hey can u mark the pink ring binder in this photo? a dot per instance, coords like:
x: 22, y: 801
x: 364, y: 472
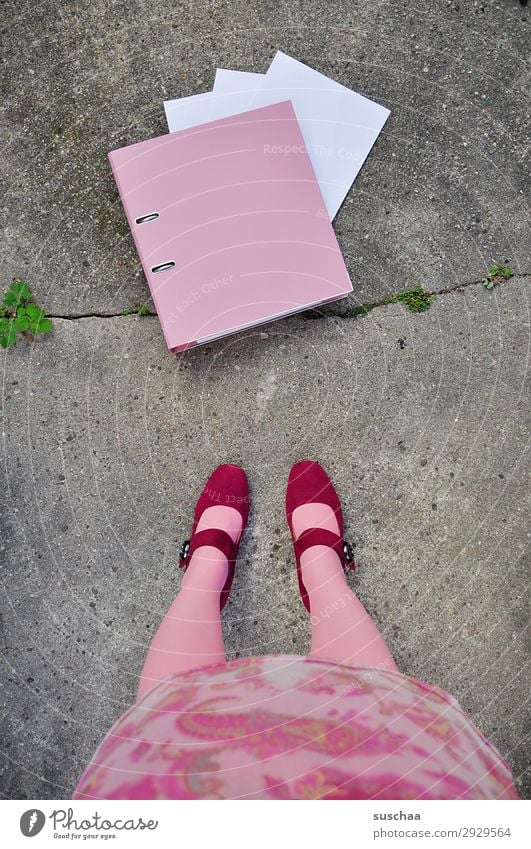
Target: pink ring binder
x: 241, y: 234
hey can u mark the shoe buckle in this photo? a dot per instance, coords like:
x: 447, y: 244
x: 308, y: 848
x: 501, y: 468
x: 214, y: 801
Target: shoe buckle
x: 185, y: 548
x: 348, y: 553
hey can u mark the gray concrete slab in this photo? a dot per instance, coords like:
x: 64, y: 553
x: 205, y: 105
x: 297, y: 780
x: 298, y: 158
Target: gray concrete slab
x: 439, y: 200
x: 107, y: 439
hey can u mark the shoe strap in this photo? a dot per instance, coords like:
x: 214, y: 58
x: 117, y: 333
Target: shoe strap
x: 319, y: 536
x: 214, y: 537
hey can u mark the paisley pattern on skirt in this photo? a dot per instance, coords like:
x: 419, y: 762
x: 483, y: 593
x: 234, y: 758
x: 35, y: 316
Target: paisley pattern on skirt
x: 289, y: 727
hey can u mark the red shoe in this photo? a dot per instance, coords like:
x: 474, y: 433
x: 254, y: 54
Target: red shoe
x: 227, y: 486
x: 308, y: 483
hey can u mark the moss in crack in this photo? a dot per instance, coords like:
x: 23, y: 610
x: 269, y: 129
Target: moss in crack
x: 363, y: 309
x: 143, y: 309
x: 416, y: 299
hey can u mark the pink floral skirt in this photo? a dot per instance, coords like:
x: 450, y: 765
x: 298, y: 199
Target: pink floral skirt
x: 289, y: 727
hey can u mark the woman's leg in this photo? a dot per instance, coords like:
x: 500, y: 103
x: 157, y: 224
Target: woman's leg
x: 342, y: 630
x: 190, y: 634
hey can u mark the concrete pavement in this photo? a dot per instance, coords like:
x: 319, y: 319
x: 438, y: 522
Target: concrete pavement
x: 420, y: 419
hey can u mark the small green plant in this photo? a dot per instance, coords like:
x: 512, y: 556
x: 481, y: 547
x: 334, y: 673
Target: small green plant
x: 19, y: 314
x: 143, y: 309
x: 495, y: 274
x: 415, y: 299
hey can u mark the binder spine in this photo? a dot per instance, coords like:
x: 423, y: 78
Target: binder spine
x: 135, y: 225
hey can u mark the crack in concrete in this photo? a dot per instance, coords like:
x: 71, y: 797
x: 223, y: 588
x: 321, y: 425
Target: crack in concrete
x: 370, y: 306
x: 316, y: 315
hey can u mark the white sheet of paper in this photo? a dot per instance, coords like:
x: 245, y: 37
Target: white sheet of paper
x: 339, y: 126
x: 186, y: 112
x: 229, y: 80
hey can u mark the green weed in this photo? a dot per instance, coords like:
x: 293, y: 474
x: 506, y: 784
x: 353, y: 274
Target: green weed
x: 416, y: 299
x: 19, y: 314
x: 143, y: 309
x: 495, y: 274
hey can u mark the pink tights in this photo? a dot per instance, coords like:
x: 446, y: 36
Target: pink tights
x: 190, y: 634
